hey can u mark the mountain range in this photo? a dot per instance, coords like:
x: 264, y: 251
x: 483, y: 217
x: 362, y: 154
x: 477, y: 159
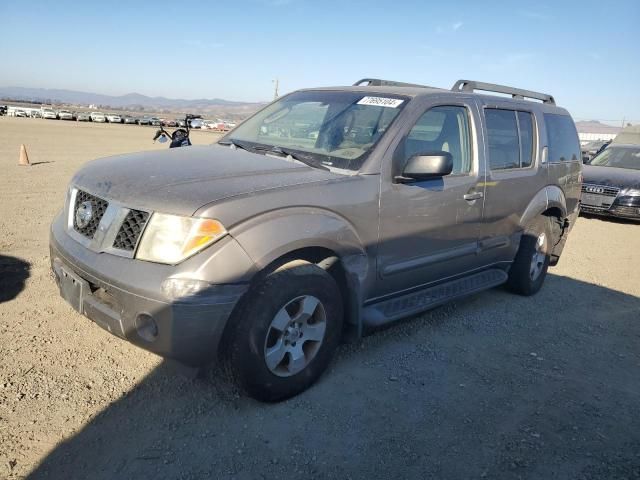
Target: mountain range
x: 130, y: 100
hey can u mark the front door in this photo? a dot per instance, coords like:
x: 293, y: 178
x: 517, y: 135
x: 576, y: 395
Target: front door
x: 429, y: 230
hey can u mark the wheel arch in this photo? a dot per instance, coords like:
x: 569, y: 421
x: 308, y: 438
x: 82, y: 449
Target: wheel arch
x: 315, y: 235
x: 549, y: 201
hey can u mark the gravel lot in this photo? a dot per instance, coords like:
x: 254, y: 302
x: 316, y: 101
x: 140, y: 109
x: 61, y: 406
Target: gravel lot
x: 495, y: 386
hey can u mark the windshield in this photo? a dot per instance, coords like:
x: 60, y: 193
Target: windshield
x: 620, y: 157
x: 337, y: 129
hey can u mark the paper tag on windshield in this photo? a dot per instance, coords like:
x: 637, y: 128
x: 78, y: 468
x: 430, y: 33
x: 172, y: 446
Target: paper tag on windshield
x: 381, y: 102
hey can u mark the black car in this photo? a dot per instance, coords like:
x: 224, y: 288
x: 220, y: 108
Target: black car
x: 612, y: 182
x: 591, y: 149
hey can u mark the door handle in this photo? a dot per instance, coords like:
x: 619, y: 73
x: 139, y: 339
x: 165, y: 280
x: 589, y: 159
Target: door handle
x: 473, y: 196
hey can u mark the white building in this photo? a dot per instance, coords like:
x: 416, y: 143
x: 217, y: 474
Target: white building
x: 594, y: 130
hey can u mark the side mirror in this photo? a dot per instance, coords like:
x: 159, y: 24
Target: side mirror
x: 426, y: 166
x: 163, y: 138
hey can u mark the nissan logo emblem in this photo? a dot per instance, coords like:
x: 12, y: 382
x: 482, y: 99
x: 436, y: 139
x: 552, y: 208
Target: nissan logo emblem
x: 84, y: 214
x: 595, y: 189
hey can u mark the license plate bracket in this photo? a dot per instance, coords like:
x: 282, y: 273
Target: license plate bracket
x: 593, y: 200
x: 72, y: 288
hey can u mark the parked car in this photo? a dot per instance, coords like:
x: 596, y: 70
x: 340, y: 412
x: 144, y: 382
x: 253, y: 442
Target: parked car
x: 612, y: 182
x: 49, y: 113
x: 264, y: 249
x: 113, y: 118
x: 65, y: 115
x: 144, y: 120
x: 169, y: 123
x: 591, y: 149
x: 212, y: 125
x: 3, y: 110
x: 20, y: 113
x: 196, y: 123
x: 35, y: 114
x: 155, y: 122
x: 83, y: 117
x: 181, y: 123
x: 128, y: 119
x: 98, y: 117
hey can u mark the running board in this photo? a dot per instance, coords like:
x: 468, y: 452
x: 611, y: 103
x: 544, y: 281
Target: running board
x: 387, y: 311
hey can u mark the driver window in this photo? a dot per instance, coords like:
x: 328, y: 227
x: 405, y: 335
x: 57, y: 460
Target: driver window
x: 443, y: 128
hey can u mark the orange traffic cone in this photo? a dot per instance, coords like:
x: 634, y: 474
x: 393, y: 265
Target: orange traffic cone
x: 24, y: 158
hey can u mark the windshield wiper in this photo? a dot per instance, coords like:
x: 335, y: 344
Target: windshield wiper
x: 306, y: 159
x: 235, y: 144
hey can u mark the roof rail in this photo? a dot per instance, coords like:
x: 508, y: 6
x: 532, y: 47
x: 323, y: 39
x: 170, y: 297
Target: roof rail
x: 378, y: 82
x: 517, y: 93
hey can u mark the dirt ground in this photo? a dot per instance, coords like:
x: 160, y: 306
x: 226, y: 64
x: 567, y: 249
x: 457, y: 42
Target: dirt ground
x: 494, y: 386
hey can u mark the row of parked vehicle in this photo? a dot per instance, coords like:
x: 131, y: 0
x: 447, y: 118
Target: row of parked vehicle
x: 100, y: 117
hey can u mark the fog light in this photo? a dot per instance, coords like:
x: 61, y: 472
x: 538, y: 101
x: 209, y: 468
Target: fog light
x: 147, y: 327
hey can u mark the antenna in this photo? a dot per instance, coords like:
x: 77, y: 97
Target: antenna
x: 275, y: 90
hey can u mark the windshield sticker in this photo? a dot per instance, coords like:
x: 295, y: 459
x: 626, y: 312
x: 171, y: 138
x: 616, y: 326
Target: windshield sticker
x: 381, y: 102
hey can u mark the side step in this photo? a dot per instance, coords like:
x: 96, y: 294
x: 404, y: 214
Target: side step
x: 387, y: 311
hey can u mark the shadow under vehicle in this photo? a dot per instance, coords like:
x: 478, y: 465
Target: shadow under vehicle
x: 465, y: 382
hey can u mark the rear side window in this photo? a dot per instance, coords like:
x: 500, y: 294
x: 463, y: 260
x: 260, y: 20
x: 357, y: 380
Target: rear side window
x: 511, y: 138
x: 564, y: 145
x: 504, y: 143
x: 525, y: 128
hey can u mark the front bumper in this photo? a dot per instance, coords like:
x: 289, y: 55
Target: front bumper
x: 618, y: 211
x: 124, y: 297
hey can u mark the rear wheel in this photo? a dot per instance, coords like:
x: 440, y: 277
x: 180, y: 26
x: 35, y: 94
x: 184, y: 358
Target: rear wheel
x: 287, y: 330
x: 529, y: 268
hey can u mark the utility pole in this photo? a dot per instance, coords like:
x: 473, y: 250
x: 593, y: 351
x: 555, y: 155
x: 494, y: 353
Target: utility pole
x: 275, y: 92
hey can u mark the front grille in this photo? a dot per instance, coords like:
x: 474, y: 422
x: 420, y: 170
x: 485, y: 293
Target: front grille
x: 98, y: 207
x: 129, y: 233
x: 600, y: 190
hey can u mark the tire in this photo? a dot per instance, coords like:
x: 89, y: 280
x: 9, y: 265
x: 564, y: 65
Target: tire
x: 254, y: 337
x: 527, y: 272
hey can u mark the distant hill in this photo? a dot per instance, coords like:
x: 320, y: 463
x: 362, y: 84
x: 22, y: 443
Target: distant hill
x: 130, y: 100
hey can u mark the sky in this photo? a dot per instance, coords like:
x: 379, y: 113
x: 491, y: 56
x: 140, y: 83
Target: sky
x: 585, y: 53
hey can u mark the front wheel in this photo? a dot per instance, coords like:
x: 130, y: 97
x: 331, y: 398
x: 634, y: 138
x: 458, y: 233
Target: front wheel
x: 529, y: 268
x: 286, y: 331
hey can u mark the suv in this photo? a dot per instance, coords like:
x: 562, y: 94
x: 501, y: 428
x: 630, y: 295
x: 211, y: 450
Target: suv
x: 327, y: 213
x: 97, y: 117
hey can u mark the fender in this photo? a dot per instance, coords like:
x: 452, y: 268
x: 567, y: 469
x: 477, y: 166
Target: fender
x: 271, y: 235
x: 550, y: 196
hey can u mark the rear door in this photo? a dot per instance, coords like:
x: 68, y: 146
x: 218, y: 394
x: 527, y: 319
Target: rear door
x: 429, y: 229
x: 514, y: 175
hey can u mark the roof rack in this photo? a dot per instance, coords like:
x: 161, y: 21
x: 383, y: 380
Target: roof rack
x: 378, y: 82
x: 517, y: 93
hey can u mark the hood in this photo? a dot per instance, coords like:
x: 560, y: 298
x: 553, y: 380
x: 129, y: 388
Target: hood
x: 611, y: 176
x: 180, y: 180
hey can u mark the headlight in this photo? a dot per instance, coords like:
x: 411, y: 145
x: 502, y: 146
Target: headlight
x: 631, y: 192
x: 170, y: 238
